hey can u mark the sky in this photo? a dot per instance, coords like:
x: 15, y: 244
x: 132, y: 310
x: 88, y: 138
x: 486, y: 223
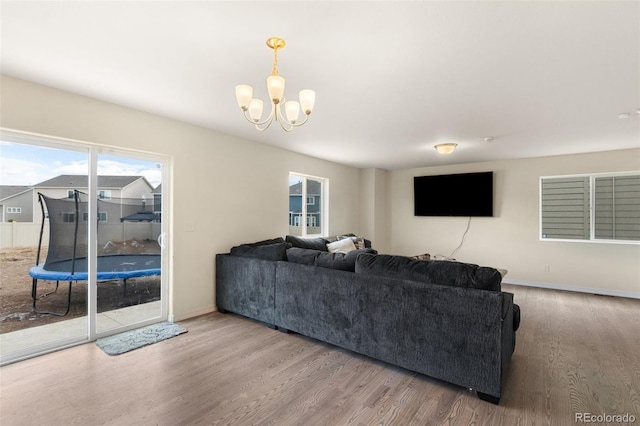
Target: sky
x: 22, y: 164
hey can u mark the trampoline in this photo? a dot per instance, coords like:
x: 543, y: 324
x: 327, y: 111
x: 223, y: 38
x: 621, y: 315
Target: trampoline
x: 67, y: 253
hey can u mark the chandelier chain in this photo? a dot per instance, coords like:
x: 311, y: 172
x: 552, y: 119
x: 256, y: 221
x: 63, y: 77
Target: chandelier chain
x: 275, y: 62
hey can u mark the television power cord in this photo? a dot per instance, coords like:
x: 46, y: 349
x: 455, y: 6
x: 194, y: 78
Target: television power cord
x: 463, y: 237
x: 453, y: 253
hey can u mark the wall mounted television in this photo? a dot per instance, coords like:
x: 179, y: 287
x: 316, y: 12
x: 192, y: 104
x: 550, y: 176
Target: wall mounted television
x: 466, y: 194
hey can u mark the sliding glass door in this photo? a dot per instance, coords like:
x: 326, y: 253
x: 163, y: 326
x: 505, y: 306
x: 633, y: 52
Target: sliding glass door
x: 129, y: 241
x: 83, y: 242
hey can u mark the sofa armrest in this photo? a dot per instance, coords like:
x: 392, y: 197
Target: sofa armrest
x: 246, y: 286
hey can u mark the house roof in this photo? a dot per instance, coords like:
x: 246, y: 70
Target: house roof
x: 7, y: 191
x: 313, y: 188
x: 81, y: 181
x: 157, y: 189
x: 142, y: 216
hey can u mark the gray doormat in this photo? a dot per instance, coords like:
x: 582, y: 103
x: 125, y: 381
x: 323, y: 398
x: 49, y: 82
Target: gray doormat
x: 134, y: 339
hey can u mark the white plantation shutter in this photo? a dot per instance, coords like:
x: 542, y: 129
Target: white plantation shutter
x: 565, y: 208
x: 617, y: 207
x: 603, y: 207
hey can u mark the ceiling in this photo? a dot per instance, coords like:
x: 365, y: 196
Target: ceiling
x: 392, y: 78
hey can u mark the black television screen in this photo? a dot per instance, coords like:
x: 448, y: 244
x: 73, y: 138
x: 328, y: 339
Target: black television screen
x: 467, y: 194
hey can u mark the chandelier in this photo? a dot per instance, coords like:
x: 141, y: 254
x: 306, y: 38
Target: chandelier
x: 252, y: 107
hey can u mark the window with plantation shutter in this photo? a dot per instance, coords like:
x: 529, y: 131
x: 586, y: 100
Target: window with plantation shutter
x: 617, y: 208
x: 565, y: 208
x: 598, y: 208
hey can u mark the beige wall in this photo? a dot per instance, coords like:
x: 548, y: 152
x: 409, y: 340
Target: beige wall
x: 212, y: 175
x: 374, y: 208
x: 510, y: 239
x: 231, y: 190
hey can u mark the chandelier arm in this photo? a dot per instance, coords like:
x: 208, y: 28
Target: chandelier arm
x: 267, y: 122
x: 306, y: 117
x: 260, y: 123
x: 284, y: 123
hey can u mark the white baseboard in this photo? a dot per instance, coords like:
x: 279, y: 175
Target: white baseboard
x: 604, y: 292
x: 196, y: 313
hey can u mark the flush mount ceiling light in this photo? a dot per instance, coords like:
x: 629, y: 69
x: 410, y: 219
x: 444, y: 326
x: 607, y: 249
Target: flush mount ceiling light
x: 252, y: 108
x: 445, y: 148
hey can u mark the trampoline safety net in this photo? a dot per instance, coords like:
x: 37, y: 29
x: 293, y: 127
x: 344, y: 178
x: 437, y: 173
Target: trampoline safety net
x: 125, y: 227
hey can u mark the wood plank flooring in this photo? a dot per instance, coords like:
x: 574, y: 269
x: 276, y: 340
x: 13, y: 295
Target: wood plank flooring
x: 575, y: 353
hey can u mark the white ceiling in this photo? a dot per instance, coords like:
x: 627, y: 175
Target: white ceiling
x: 392, y: 78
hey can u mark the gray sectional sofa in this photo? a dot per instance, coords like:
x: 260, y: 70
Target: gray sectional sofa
x: 447, y: 320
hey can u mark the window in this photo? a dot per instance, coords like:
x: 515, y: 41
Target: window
x: 69, y: 217
x: 308, y: 212
x: 70, y: 193
x: 104, y: 194
x: 598, y: 207
x: 14, y: 209
x: 102, y: 216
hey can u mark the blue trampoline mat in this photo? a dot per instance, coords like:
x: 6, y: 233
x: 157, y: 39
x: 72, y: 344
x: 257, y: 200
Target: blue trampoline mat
x: 112, y: 267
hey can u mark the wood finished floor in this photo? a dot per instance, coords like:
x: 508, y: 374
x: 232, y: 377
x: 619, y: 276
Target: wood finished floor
x: 575, y: 353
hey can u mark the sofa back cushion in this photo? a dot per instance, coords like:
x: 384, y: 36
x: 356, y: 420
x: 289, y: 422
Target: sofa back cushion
x: 308, y: 243
x: 454, y: 274
x: 321, y: 259
x: 277, y: 251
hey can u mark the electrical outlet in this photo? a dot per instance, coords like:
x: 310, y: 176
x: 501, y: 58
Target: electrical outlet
x: 546, y: 268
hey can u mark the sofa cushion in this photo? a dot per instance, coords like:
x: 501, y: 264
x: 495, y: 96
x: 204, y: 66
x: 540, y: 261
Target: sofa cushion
x: 322, y: 259
x: 342, y: 261
x: 454, y: 274
x: 277, y: 251
x: 307, y: 243
x: 342, y: 246
x: 303, y: 256
x: 266, y: 242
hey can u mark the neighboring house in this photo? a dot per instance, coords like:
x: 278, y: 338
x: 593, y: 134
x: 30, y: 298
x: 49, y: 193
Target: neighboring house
x: 16, y: 203
x: 157, y: 199
x: 314, y: 208
x: 123, y: 195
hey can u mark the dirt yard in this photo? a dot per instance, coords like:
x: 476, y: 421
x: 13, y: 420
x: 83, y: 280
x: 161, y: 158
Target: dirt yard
x: 16, y: 312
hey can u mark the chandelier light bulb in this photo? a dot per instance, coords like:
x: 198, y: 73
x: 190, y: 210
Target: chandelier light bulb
x: 275, y: 86
x: 244, y: 93
x: 255, y: 109
x: 292, y: 109
x: 307, y: 100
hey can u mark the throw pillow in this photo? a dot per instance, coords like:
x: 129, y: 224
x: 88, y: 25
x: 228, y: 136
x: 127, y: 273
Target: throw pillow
x: 425, y: 256
x: 307, y: 243
x: 357, y: 241
x: 276, y: 251
x: 341, y: 246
